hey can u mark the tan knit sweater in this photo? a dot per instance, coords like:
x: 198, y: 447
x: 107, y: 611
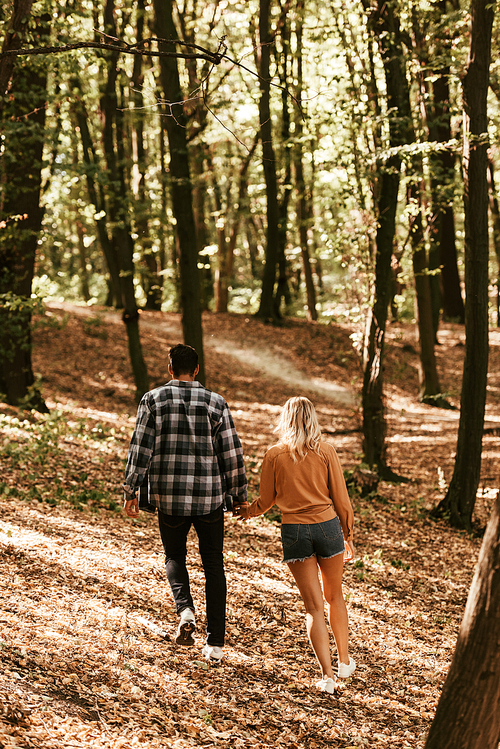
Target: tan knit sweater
x: 312, y: 490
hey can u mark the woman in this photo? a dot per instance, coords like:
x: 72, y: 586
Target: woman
x: 303, y: 476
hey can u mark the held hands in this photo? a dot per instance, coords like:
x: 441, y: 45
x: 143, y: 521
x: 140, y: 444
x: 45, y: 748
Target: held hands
x: 131, y: 507
x: 241, y: 511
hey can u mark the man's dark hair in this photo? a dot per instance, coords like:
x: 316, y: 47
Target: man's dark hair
x: 183, y: 359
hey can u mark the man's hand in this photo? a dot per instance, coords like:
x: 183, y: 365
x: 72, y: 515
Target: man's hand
x: 131, y: 507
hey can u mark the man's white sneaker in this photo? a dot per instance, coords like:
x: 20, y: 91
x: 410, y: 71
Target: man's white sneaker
x: 187, y: 626
x: 346, y: 669
x: 212, y: 653
x: 326, y: 684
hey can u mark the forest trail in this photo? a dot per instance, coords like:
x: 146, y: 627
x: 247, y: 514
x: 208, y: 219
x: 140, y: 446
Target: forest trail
x: 88, y: 624
x: 262, y: 359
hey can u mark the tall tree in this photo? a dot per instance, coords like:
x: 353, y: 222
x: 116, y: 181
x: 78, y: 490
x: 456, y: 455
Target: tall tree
x: 180, y: 183
x: 302, y: 199
x: 80, y: 119
x: 117, y: 202
x: 23, y: 126
x: 266, y: 37
x: 21, y: 13
x: 384, y: 26
x: 495, y: 216
x: 467, y: 715
x: 442, y: 221
x: 150, y: 266
x: 227, y: 230
x: 460, y: 499
x: 282, y: 63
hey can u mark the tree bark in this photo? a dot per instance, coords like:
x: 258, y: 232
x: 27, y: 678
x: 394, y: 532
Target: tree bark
x: 197, y: 119
x: 467, y: 715
x: 180, y: 183
x: 266, y: 306
x: 430, y: 389
x: 495, y: 215
x: 118, y: 211
x: 198, y: 153
x: 152, y: 282
x: 13, y: 39
x: 460, y: 499
x: 442, y: 220
x: 228, y: 235
x: 80, y: 231
x: 300, y: 184
x: 20, y: 221
x: 383, y: 25
x: 282, y: 288
x: 95, y: 192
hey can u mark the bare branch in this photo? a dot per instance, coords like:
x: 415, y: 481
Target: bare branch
x: 143, y: 48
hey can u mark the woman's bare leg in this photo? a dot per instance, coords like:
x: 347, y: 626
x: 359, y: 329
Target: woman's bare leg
x: 331, y: 572
x: 307, y: 579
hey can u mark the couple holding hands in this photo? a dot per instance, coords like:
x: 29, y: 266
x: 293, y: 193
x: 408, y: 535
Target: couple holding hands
x: 185, y: 456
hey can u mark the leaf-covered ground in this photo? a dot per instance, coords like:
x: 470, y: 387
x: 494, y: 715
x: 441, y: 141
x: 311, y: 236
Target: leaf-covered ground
x: 87, y: 620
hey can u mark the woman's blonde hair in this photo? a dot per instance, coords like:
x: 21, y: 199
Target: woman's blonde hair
x: 298, y: 427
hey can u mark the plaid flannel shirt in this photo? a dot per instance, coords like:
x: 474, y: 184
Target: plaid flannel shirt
x: 186, y: 448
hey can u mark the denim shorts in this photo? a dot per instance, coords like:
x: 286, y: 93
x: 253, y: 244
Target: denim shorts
x: 323, y: 540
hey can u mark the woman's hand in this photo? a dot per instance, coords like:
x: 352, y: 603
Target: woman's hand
x: 349, y: 551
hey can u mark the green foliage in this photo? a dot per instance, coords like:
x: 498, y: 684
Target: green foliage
x: 39, y: 446
x: 15, y: 316
x: 344, y: 134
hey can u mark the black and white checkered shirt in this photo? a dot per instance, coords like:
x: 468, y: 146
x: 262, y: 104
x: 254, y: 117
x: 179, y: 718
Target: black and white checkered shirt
x: 186, y: 448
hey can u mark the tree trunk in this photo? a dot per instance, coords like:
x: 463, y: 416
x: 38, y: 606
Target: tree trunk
x: 150, y: 272
x: 374, y: 424
x: 435, y: 101
x: 282, y: 289
x: 20, y: 219
x: 13, y: 39
x: 224, y: 268
x: 96, y: 196
x: 430, y: 389
x: 266, y: 306
x: 197, y: 118
x: 200, y: 220
x: 442, y: 181
x: 181, y: 189
x: 227, y: 244
x: 495, y: 215
x: 460, y: 499
x: 300, y: 185
x: 442, y: 220
x: 118, y: 211
x: 385, y: 28
x: 468, y: 715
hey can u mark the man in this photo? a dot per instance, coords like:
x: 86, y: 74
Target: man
x: 186, y: 450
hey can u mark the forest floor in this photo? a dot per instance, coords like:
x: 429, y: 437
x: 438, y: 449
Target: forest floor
x: 87, y: 620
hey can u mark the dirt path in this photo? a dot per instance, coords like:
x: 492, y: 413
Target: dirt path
x: 261, y: 359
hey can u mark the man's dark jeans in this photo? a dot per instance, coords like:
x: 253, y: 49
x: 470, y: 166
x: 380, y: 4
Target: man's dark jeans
x: 210, y: 529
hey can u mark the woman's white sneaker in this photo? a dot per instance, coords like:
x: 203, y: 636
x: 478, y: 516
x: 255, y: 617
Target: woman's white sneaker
x: 346, y: 669
x: 326, y: 684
